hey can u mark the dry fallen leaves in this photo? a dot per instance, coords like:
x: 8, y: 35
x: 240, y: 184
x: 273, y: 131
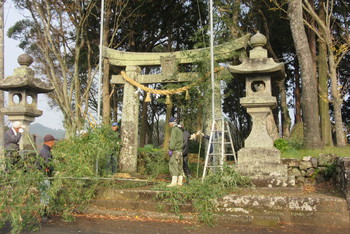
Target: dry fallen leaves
x: 308, y: 188
x: 134, y: 218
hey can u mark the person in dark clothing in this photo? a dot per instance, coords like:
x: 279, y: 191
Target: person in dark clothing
x: 46, y: 156
x: 186, y: 137
x: 11, y: 143
x: 205, y: 136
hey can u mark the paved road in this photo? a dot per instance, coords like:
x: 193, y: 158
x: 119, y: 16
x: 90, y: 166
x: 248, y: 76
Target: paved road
x: 99, y: 225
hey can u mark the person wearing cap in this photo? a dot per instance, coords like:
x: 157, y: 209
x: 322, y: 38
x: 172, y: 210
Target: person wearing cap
x: 45, y: 153
x: 46, y: 156
x: 115, y: 126
x: 175, y: 153
x: 11, y: 142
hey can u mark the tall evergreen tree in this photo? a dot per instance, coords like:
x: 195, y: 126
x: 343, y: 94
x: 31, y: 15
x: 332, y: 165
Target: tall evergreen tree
x: 312, y: 138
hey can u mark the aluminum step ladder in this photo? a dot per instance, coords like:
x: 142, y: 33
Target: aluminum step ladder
x: 220, y: 147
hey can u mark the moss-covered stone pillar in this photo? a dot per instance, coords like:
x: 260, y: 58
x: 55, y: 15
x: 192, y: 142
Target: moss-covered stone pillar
x: 129, y: 126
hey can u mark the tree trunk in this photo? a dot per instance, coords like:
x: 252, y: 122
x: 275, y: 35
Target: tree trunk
x: 286, y: 122
x: 143, y: 128
x: 169, y: 109
x: 312, y: 138
x: 297, y: 94
x: 115, y: 104
x: 327, y: 31
x: 326, y: 132
x: 157, y: 132
x: 106, y: 100
x: 150, y: 138
x: 336, y: 100
x: 106, y: 111
x: 70, y: 127
x: 312, y: 42
x: 235, y: 19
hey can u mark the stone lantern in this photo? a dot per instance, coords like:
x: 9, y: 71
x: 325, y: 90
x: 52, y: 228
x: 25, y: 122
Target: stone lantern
x: 23, y: 89
x: 259, y: 159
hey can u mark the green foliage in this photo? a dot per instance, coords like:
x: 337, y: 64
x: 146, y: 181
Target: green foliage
x: 300, y: 153
x: 296, y: 144
x: 152, y: 161
x: 203, y: 194
x: 330, y: 170
x: 87, y: 155
x: 77, y: 156
x: 288, y: 145
x: 282, y: 144
x: 19, y: 196
x: 21, y: 187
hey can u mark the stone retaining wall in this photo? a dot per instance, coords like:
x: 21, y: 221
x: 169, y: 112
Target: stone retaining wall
x: 342, y: 176
x: 311, y: 170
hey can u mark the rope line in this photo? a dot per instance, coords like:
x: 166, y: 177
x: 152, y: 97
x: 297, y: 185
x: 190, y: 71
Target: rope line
x: 163, y: 92
x: 156, y: 91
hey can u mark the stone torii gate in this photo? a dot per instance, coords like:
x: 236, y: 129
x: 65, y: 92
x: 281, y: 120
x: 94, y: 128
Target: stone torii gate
x: 132, y: 63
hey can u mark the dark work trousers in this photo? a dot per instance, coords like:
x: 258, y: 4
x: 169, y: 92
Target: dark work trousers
x: 185, y: 166
x: 113, y: 163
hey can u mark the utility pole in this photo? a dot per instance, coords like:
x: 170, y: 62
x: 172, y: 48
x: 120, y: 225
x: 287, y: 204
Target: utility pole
x: 2, y: 73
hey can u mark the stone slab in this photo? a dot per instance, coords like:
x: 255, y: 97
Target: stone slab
x: 263, y: 169
x: 153, y: 206
x: 258, y: 155
x: 260, y: 206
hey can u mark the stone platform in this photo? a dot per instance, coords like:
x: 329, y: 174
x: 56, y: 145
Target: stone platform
x: 260, y: 206
x: 264, y: 167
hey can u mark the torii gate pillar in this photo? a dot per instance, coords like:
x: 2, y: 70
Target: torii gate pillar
x: 130, y: 117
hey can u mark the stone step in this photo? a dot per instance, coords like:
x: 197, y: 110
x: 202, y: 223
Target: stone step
x: 95, y: 210
x: 261, y: 206
x: 153, y: 206
x: 126, y: 194
x: 237, y: 203
x: 277, y: 191
x: 265, y: 159
x: 276, y: 169
x: 272, y: 181
x: 324, y: 219
x: 259, y: 155
x: 311, y: 209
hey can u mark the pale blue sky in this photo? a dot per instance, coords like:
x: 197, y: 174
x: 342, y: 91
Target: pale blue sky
x: 51, y: 118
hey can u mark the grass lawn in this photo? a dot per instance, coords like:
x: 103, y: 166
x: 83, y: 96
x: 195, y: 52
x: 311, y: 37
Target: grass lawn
x: 299, y: 154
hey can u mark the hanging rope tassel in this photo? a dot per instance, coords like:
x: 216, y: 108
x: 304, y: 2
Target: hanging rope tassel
x: 148, y: 97
x: 167, y: 100
x: 187, y: 97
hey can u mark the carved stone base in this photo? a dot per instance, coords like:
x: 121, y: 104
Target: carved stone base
x: 264, y: 167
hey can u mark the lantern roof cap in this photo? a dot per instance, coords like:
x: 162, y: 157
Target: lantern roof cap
x: 258, y: 61
x: 23, y: 78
